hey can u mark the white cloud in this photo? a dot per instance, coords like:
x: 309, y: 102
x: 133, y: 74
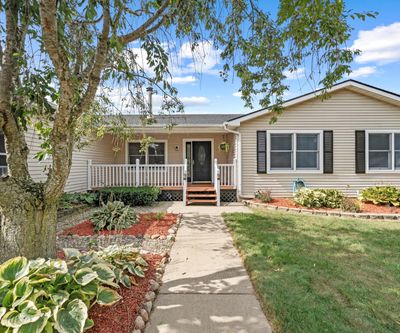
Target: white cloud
x: 183, y: 79
x: 237, y: 94
x: 194, y: 101
x: 381, y: 44
x: 363, y: 71
x: 296, y: 74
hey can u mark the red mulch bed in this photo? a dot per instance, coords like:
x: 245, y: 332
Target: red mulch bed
x: 147, y: 224
x: 119, y: 318
x: 365, y: 207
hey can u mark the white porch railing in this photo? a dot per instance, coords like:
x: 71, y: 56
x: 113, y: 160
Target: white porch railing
x: 113, y: 175
x: 3, y: 170
x: 228, y: 174
x: 217, y: 181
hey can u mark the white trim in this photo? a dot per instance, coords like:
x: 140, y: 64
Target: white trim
x: 294, y: 137
x: 350, y: 83
x: 238, y: 138
x: 393, y: 151
x: 184, y: 141
x: 147, y: 153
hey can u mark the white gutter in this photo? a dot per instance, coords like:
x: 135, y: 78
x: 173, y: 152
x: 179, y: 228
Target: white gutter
x: 239, y: 157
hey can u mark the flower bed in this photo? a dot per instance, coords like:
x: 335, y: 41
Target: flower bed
x: 120, y: 316
x: 365, y: 207
x: 148, y: 224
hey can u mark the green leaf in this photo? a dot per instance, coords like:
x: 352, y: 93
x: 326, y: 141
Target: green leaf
x: 14, y: 269
x: 59, y: 297
x: 107, y: 296
x: 71, y: 253
x: 8, y: 299
x: 22, y: 290
x: 2, y: 311
x: 28, y: 313
x: 90, y: 289
x: 84, y: 276
x: 72, y: 319
x: 88, y: 324
x: 104, y: 273
x: 37, y: 326
x: 140, y: 261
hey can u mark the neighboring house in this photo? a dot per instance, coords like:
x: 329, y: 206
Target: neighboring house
x: 348, y: 141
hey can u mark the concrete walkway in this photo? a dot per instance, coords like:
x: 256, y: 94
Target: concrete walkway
x: 206, y: 288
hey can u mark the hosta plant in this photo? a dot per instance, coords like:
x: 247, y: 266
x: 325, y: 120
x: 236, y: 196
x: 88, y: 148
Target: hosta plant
x: 381, y: 195
x: 113, y: 216
x: 55, y: 295
x: 317, y: 198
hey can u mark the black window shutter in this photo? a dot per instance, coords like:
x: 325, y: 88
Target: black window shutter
x: 360, y: 151
x: 261, y: 152
x: 328, y: 151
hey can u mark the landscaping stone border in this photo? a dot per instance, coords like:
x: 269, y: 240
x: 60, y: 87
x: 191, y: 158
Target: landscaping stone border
x: 150, y: 297
x: 367, y: 216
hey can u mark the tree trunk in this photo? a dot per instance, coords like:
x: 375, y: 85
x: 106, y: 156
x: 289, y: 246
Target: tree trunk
x: 28, y: 228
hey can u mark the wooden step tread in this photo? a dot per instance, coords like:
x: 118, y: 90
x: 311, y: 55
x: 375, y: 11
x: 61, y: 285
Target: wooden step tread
x: 201, y: 189
x: 211, y: 201
x: 201, y: 195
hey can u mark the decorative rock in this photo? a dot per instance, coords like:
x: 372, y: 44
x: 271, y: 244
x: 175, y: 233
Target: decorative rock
x: 158, y: 277
x: 143, y: 313
x: 164, y: 254
x: 171, y: 231
x: 136, y: 331
x: 171, y: 237
x: 155, y: 236
x: 154, y: 285
x: 148, y: 306
x: 162, y: 237
x: 164, y: 260
x: 144, y: 252
x: 139, y: 323
x: 150, y: 296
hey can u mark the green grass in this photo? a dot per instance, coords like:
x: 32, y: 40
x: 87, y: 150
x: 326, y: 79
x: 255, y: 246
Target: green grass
x: 319, y: 274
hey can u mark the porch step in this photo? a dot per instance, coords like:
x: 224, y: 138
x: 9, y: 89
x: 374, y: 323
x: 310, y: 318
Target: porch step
x: 202, y: 195
x: 202, y: 201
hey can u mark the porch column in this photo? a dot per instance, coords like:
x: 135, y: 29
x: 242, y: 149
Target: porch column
x: 217, y: 182
x: 137, y: 175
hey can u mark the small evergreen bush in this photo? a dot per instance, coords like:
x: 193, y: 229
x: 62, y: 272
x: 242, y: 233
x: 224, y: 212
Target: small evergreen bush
x: 132, y: 196
x: 351, y: 205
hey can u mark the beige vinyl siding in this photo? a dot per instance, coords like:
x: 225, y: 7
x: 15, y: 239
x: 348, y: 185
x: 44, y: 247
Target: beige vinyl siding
x: 99, y: 152
x: 345, y: 112
x: 177, y: 139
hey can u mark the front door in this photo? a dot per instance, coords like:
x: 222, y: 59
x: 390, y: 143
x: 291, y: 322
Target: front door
x: 201, y: 165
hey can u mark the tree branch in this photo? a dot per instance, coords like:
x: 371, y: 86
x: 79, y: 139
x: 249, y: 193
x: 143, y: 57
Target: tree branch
x: 142, y: 30
x: 17, y: 150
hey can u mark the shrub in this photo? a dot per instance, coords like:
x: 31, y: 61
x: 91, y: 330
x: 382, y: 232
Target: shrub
x: 68, y: 200
x: 381, y: 195
x: 263, y: 196
x: 55, y: 295
x: 113, y: 216
x: 317, y: 198
x: 133, y: 196
x: 351, y: 205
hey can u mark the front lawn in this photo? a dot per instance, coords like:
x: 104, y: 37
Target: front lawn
x: 322, y: 274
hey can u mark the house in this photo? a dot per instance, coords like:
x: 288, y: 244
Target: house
x: 349, y: 141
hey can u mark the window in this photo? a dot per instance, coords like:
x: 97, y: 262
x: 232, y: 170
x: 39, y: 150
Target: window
x: 383, y: 151
x: 155, y: 153
x: 3, y: 158
x: 295, y: 151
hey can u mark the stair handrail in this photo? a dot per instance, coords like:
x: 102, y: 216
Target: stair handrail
x: 185, y: 173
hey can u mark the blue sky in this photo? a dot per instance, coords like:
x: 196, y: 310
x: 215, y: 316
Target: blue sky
x: 379, y: 64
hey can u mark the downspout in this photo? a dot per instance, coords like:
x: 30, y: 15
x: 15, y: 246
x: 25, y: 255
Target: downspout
x: 239, y: 157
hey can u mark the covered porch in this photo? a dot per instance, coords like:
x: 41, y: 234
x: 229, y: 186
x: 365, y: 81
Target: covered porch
x: 194, y: 168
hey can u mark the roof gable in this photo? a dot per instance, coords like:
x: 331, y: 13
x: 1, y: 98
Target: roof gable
x: 352, y: 85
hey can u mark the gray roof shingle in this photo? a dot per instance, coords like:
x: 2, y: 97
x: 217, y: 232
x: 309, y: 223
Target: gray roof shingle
x: 183, y: 119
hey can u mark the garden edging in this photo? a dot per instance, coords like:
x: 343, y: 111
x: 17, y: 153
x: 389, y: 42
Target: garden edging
x: 371, y: 216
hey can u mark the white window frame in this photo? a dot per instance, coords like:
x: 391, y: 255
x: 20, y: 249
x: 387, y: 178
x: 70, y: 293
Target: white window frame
x: 392, y: 146
x: 147, y: 151
x: 294, y: 143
